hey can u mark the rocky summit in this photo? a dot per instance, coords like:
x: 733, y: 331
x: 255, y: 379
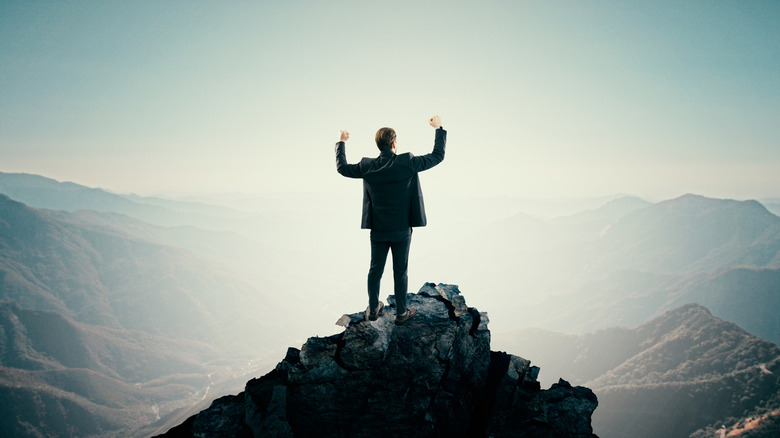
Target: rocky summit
x: 435, y: 376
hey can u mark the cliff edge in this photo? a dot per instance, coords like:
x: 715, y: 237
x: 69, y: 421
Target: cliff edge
x: 433, y: 376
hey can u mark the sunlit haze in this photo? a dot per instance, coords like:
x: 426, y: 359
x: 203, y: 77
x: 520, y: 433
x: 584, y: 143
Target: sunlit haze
x: 607, y: 164
x: 541, y: 99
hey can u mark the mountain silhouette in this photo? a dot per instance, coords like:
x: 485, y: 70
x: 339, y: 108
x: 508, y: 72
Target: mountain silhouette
x: 434, y: 376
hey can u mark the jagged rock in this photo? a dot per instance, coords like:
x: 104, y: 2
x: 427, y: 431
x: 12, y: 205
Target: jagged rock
x: 433, y: 376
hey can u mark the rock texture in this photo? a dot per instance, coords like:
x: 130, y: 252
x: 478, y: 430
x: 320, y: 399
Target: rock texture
x: 433, y: 376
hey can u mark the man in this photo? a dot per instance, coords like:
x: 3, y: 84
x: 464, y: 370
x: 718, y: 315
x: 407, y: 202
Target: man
x: 392, y: 205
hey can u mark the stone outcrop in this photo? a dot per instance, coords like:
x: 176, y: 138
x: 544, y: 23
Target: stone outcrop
x: 434, y: 376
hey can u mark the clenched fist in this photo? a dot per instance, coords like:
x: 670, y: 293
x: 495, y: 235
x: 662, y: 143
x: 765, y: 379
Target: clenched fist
x: 435, y: 121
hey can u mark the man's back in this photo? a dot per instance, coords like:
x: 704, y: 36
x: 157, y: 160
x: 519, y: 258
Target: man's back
x: 392, y: 196
x: 392, y: 187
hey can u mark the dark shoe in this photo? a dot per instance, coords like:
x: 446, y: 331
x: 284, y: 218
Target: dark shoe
x: 372, y: 316
x: 409, y: 314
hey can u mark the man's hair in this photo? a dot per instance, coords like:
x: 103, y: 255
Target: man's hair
x: 385, y: 138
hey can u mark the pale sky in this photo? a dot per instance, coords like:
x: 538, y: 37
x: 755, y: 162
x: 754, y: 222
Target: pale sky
x: 540, y: 99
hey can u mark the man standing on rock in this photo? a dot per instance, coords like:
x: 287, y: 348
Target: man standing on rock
x: 392, y: 205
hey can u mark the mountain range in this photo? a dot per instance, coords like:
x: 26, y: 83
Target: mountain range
x: 622, y: 266
x: 41, y: 192
x: 117, y: 274
x: 721, y: 254
x: 152, y: 293
x: 113, y: 325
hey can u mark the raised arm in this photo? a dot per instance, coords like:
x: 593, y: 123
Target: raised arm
x: 342, y: 167
x: 427, y: 161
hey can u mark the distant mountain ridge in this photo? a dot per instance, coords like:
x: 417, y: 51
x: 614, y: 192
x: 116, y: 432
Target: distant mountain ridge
x: 745, y: 295
x: 722, y: 254
x: 692, y: 234
x: 589, y: 272
x: 41, y: 192
x: 239, y: 226
x: 609, y: 212
x: 102, y: 276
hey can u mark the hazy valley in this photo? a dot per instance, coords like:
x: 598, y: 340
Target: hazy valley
x: 123, y: 311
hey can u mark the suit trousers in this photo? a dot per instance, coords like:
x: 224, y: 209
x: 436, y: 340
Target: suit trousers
x: 381, y: 242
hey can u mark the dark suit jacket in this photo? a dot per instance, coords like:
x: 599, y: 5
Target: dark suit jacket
x: 392, y: 196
